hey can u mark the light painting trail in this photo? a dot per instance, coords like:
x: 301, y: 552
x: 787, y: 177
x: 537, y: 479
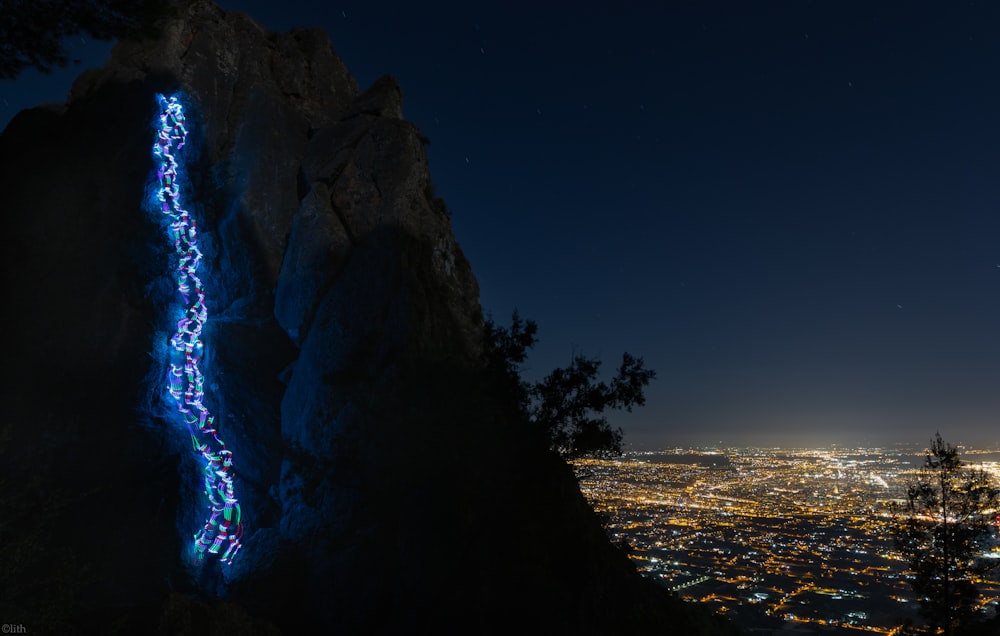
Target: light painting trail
x: 224, y: 528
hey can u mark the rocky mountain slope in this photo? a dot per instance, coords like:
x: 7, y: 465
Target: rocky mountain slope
x: 385, y: 485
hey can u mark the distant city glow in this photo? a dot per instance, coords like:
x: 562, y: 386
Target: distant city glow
x: 185, y: 383
x: 797, y: 535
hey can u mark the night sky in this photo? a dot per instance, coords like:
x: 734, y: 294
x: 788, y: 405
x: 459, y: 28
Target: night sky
x: 790, y: 210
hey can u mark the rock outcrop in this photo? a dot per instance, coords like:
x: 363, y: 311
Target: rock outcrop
x: 385, y: 487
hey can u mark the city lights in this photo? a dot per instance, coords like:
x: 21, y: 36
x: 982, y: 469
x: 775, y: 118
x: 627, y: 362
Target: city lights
x: 770, y: 536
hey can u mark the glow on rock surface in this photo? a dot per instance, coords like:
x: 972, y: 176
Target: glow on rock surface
x: 223, y: 529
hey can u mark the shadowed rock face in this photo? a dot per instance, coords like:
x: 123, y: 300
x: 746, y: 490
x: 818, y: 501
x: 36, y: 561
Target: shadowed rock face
x: 385, y: 484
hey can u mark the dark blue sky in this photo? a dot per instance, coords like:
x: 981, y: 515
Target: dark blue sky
x: 791, y: 210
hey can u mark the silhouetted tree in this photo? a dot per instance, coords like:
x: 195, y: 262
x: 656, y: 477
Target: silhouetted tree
x: 33, y: 32
x: 568, y: 404
x: 506, y: 350
x: 945, y: 527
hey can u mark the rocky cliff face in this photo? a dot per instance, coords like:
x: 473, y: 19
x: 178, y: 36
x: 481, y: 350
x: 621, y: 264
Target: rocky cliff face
x: 384, y: 485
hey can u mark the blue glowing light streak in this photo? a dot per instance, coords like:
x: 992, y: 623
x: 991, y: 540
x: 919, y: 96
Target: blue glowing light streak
x: 185, y: 383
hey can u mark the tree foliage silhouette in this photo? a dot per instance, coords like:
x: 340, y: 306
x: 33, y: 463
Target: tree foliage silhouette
x: 33, y: 32
x: 945, y: 526
x: 568, y: 405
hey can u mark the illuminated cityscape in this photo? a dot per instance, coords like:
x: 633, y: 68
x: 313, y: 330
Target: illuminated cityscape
x: 794, y: 541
